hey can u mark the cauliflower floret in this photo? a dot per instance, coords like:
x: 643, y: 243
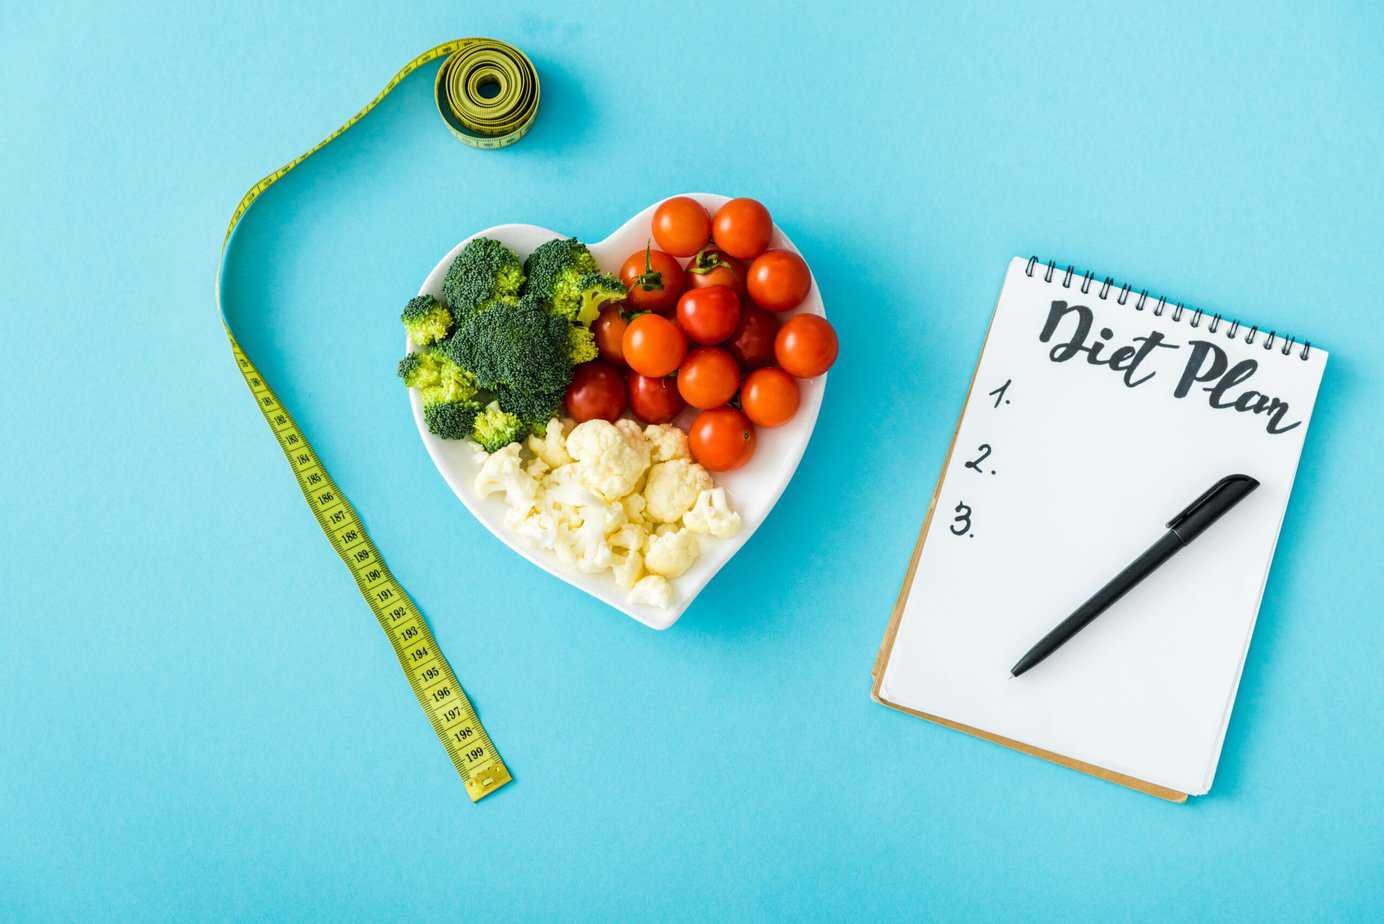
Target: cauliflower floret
x: 671, y: 553
x: 551, y: 447
x: 628, y: 568
x: 712, y: 515
x: 634, y: 509
x: 673, y: 488
x: 666, y: 442
x: 503, y: 471
x: 608, y: 461
x: 536, y: 527
x: 537, y: 469
x: 652, y: 590
x: 627, y: 564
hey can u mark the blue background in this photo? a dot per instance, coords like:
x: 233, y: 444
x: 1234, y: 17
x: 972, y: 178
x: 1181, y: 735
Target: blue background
x: 198, y: 716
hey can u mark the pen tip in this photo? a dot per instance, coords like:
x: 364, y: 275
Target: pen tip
x: 1012, y: 675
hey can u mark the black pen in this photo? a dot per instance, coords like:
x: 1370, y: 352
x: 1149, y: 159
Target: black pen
x: 1182, y: 529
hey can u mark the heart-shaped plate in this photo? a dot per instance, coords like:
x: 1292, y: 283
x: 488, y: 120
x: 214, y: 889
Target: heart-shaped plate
x: 753, y: 489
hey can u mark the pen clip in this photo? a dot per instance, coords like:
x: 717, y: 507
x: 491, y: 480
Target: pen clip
x: 1206, y: 496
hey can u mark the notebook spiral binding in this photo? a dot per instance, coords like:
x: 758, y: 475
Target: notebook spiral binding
x: 1179, y: 309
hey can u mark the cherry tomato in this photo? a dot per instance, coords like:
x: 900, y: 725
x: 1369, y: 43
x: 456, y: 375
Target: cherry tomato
x: 609, y: 330
x: 769, y: 397
x: 681, y: 226
x: 778, y: 280
x: 721, y: 439
x: 709, y: 315
x: 708, y: 377
x: 714, y: 267
x: 806, y: 346
x: 654, y: 280
x: 742, y: 228
x: 653, y: 345
x: 753, y: 343
x: 654, y: 400
x: 597, y: 390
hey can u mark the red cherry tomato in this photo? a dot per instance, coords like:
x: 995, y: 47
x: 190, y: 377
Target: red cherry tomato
x: 708, y: 377
x: 653, y: 345
x: 742, y: 228
x: 769, y: 397
x: 714, y: 267
x: 597, y: 390
x: 778, y: 280
x: 753, y: 343
x: 806, y: 346
x: 681, y: 226
x: 709, y: 315
x: 609, y: 330
x: 654, y: 280
x: 654, y: 400
x: 721, y: 439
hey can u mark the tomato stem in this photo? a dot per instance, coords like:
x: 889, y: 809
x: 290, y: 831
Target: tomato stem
x: 649, y: 280
x: 705, y: 261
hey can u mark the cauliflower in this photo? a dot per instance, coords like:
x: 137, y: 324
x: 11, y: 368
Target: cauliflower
x: 536, y: 527
x: 634, y: 509
x: 502, y: 472
x: 627, y: 564
x: 712, y: 515
x: 537, y: 468
x: 652, y: 590
x: 551, y: 447
x: 628, y: 568
x: 673, y: 488
x: 609, y: 462
x: 671, y: 553
x: 666, y: 442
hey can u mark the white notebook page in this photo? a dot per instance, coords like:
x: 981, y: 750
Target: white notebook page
x: 1075, y: 468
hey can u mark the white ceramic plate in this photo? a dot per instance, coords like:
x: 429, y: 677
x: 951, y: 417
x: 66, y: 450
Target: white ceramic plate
x: 753, y: 489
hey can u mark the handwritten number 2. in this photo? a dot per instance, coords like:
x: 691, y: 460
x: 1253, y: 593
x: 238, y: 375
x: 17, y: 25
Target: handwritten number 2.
x: 985, y: 451
x: 998, y: 393
x: 961, y: 523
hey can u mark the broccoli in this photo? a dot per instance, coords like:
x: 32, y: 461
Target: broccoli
x: 426, y: 319
x: 494, y: 428
x: 484, y: 274
x: 437, y: 377
x: 451, y: 420
x: 597, y: 290
x: 556, y: 270
x: 581, y: 345
x: 533, y: 408
x: 523, y: 348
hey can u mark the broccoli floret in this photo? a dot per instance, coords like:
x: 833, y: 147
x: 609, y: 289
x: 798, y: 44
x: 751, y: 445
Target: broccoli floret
x: 533, y: 408
x: 494, y: 428
x: 486, y: 273
x: 556, y: 270
x: 437, y: 377
x: 426, y: 319
x: 597, y: 291
x: 581, y: 345
x: 524, y: 348
x: 451, y: 420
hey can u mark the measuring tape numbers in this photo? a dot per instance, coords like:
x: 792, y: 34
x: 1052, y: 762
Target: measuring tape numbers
x: 487, y: 94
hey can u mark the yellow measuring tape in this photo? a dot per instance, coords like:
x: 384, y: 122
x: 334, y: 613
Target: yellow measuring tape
x: 487, y: 93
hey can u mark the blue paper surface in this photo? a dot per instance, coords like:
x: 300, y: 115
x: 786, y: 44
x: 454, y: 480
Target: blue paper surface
x: 200, y: 719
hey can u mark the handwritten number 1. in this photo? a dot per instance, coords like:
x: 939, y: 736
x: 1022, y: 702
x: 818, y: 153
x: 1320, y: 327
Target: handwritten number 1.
x: 998, y: 393
x: 961, y: 523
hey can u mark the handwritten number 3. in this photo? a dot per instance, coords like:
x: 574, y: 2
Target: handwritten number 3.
x: 985, y: 451
x: 961, y: 523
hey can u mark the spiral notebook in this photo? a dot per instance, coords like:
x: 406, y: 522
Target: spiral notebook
x: 1098, y: 411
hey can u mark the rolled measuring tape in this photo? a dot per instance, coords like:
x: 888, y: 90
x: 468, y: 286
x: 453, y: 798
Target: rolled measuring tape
x: 487, y: 94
